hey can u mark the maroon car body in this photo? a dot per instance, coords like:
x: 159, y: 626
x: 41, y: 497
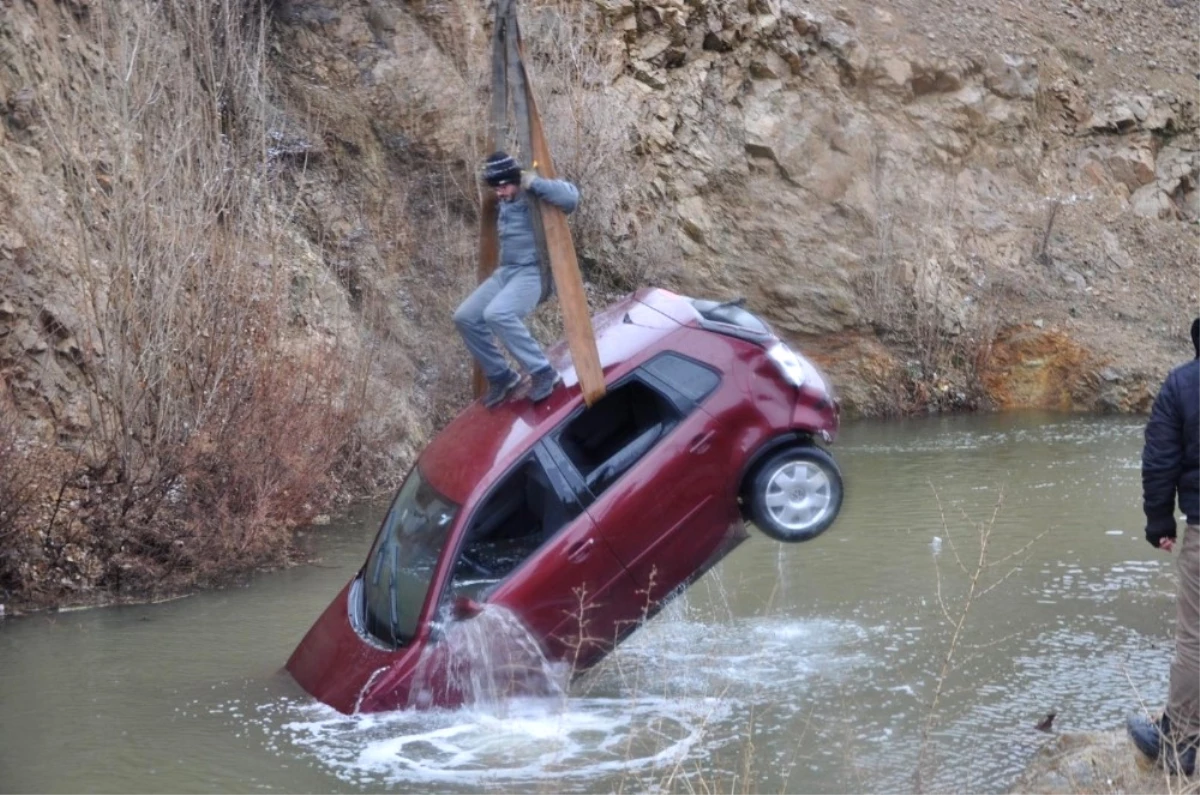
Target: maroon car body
x: 584, y: 521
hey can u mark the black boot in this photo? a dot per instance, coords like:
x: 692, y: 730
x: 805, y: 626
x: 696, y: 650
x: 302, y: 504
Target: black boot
x: 1153, y: 738
x: 542, y: 384
x: 499, y: 390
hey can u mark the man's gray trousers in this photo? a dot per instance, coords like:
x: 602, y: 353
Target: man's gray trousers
x: 499, y: 307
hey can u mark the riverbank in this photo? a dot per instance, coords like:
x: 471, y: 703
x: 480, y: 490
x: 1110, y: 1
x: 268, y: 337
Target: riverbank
x: 1091, y: 764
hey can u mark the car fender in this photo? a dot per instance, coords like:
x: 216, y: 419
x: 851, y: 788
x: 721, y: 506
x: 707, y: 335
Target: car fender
x: 769, y: 447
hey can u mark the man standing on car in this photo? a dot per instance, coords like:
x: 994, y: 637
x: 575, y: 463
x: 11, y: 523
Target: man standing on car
x: 1171, y: 465
x: 497, y: 308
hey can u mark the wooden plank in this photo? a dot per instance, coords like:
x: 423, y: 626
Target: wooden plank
x: 520, y: 98
x: 497, y: 134
x: 577, y: 319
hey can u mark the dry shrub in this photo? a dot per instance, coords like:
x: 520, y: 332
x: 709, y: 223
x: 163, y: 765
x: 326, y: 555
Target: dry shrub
x: 16, y: 480
x: 36, y: 533
x: 18, y: 495
x: 913, y: 293
x: 211, y: 434
x: 425, y: 266
x: 239, y: 485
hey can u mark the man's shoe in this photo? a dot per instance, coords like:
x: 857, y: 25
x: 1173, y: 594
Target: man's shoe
x: 542, y: 384
x: 1153, y: 738
x: 499, y: 390
x: 1146, y: 734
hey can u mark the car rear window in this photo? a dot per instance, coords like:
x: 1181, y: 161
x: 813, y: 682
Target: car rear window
x: 691, y: 379
x: 730, y: 313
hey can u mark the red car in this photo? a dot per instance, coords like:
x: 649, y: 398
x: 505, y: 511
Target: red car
x: 584, y: 521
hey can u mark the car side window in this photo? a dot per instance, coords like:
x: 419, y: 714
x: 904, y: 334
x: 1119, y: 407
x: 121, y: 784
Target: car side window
x: 523, y: 511
x: 608, y: 438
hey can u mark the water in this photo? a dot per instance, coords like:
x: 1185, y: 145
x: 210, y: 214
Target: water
x: 489, y: 658
x: 804, y: 667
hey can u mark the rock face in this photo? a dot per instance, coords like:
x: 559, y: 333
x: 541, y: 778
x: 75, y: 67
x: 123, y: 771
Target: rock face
x: 847, y: 167
x: 906, y: 191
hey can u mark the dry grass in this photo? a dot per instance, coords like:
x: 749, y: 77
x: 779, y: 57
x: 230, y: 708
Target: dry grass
x: 210, y: 433
x: 982, y: 575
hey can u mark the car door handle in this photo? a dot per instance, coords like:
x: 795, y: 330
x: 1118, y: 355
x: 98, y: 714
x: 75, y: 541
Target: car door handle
x: 580, y: 549
x: 701, y: 442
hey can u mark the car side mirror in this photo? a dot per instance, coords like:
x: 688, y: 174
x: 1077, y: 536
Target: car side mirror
x: 464, y: 607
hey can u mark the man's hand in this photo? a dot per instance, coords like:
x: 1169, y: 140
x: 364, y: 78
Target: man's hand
x: 527, y: 178
x: 1160, y: 532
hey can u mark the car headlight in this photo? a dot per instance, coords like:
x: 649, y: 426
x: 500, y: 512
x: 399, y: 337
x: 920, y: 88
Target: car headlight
x: 788, y: 363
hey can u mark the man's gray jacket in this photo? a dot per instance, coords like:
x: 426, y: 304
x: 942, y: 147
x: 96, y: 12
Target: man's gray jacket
x: 518, y: 247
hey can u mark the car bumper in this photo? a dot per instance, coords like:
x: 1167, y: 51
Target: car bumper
x: 818, y: 415
x: 335, y: 665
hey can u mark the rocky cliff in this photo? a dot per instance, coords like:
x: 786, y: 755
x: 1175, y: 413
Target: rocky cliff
x: 948, y: 204
x: 951, y: 205
x: 1015, y: 182
x: 1012, y: 183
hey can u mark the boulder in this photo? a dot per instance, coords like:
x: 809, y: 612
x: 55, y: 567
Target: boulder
x: 892, y: 73
x: 1011, y: 76
x: 1151, y: 202
x: 1132, y: 162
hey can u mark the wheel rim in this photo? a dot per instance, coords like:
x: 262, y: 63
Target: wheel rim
x: 799, y: 496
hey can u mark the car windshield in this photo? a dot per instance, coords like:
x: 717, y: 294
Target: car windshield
x: 403, y: 560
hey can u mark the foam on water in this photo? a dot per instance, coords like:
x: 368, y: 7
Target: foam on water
x: 530, y: 740
x: 682, y: 655
x: 658, y: 708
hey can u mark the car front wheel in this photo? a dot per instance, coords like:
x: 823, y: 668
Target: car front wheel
x: 796, y: 494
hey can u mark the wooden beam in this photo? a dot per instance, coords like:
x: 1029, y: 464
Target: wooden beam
x: 497, y: 134
x: 560, y: 248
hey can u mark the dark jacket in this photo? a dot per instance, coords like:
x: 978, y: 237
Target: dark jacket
x: 1171, y: 457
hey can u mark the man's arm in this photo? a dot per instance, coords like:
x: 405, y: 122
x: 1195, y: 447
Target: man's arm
x: 559, y: 192
x: 1162, y: 463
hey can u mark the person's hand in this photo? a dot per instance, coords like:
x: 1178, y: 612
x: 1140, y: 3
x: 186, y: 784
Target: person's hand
x: 527, y: 178
x: 1161, y: 529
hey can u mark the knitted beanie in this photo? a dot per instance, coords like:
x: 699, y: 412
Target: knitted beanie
x: 500, y: 169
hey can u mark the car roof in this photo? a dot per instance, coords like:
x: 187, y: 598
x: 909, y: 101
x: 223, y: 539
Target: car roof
x: 479, y: 443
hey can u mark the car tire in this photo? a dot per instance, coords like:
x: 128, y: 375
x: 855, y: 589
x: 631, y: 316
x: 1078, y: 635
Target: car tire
x: 796, y: 494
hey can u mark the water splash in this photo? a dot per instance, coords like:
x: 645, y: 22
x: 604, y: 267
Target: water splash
x: 487, y: 660
x: 366, y: 688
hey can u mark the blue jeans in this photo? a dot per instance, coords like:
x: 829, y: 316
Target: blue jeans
x: 497, y: 310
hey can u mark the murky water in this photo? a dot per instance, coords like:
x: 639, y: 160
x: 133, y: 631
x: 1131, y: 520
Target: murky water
x: 788, y: 668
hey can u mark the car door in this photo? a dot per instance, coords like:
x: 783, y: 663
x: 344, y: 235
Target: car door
x: 567, y: 588
x: 667, y: 514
